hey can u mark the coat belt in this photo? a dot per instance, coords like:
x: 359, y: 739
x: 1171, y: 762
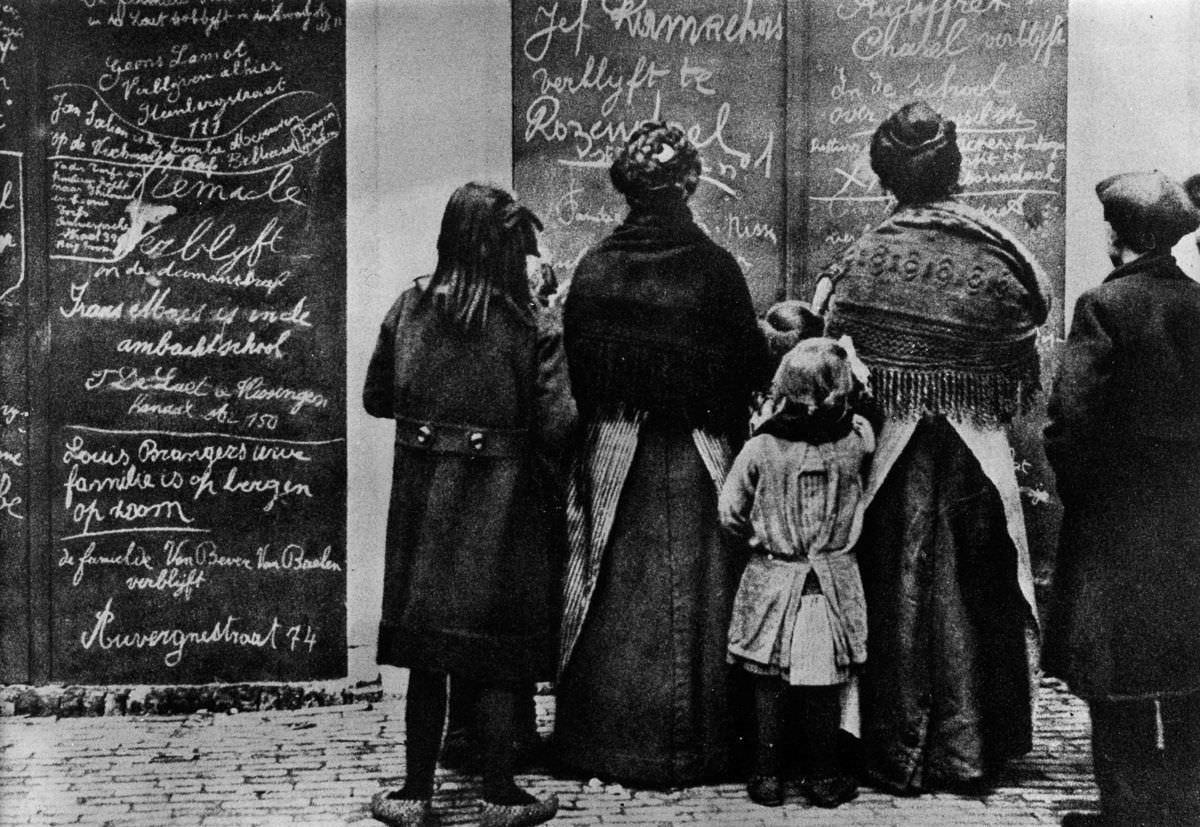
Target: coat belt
x: 460, y: 440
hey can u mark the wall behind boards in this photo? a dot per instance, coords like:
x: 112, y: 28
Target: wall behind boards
x: 186, y: 509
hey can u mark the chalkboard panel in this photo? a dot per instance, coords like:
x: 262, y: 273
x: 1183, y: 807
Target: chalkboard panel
x: 999, y: 70
x: 15, y: 59
x: 195, y: 203
x: 585, y: 74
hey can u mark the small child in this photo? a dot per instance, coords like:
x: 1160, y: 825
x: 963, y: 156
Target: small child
x: 794, y: 494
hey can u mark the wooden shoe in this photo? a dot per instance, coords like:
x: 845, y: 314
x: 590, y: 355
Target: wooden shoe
x: 399, y: 812
x: 518, y: 815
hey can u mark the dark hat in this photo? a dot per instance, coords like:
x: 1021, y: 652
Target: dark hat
x: 915, y: 153
x: 658, y: 160
x: 1147, y: 210
x: 815, y: 374
x: 787, y: 323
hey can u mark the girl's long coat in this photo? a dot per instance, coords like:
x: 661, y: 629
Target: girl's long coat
x: 1124, y: 441
x: 470, y: 581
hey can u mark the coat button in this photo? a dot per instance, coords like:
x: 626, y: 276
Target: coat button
x: 476, y: 440
x: 424, y: 435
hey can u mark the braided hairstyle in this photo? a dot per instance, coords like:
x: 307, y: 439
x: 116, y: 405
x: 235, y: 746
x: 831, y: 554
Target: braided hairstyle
x: 484, y: 239
x: 658, y: 162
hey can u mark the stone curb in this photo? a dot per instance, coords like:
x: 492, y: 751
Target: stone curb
x: 72, y: 701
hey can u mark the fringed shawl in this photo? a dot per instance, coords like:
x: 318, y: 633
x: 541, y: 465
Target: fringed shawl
x: 943, y: 305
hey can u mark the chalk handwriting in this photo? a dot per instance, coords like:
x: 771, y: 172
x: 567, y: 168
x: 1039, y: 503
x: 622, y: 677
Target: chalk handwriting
x: 637, y: 19
x: 105, y: 635
x: 11, y: 503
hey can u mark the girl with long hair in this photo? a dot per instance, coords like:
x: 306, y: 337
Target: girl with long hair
x: 477, y: 388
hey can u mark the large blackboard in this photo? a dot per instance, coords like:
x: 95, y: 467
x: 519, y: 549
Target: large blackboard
x: 999, y: 70
x: 585, y: 74
x: 15, y: 459
x: 192, y: 172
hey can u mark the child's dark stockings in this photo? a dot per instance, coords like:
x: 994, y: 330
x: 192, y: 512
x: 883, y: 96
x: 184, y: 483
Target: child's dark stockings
x: 496, y: 712
x: 817, y: 710
x: 820, y: 714
x: 769, y: 710
x: 424, y: 716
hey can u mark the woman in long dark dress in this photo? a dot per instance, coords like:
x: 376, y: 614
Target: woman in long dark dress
x: 943, y: 306
x: 478, y: 391
x: 664, y: 353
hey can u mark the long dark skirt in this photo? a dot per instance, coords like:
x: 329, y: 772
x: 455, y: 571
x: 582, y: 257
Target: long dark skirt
x: 946, y: 695
x: 645, y: 698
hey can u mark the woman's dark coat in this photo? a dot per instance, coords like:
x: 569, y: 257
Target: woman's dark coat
x: 1124, y: 441
x: 664, y: 352
x: 470, y: 581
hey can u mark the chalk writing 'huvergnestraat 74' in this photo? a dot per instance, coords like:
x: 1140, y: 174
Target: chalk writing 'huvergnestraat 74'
x: 105, y: 636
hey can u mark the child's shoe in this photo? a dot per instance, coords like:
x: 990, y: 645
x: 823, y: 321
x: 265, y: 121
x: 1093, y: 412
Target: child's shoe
x: 830, y: 791
x: 766, y: 790
x: 399, y: 812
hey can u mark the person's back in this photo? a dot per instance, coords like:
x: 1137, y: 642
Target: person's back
x: 664, y: 351
x: 482, y: 378
x: 806, y: 495
x: 1123, y: 437
x: 794, y: 499
x: 469, y: 569
x: 943, y: 306
x: 658, y: 318
x: 1153, y: 407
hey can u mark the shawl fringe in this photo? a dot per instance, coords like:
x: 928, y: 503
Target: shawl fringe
x: 987, y: 399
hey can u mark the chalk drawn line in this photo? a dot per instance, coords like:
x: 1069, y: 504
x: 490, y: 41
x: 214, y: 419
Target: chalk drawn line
x: 566, y: 162
x: 966, y: 193
x: 145, y: 529
x: 198, y: 434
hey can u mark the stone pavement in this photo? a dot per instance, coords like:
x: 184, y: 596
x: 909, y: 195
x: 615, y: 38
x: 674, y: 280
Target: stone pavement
x: 321, y: 766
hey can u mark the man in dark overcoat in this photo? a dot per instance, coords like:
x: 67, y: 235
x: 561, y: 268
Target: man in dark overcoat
x: 1124, y: 441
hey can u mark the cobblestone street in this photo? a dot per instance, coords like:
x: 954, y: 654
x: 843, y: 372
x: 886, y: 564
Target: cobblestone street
x: 321, y: 766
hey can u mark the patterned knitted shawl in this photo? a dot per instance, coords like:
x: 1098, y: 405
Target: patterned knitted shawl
x: 943, y: 305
